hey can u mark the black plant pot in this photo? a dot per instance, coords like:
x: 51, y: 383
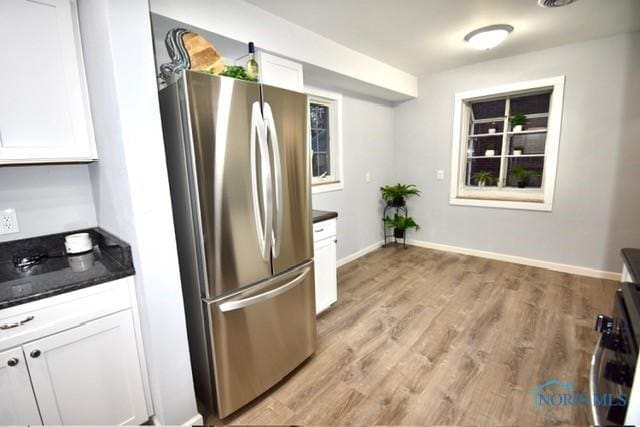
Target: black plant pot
x: 523, y: 184
x: 398, y: 233
x: 397, y: 203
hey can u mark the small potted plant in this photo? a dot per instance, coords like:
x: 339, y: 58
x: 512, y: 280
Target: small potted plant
x: 483, y: 178
x: 396, y: 195
x: 522, y: 175
x: 490, y: 151
x: 493, y: 127
x: 518, y: 121
x: 518, y: 150
x: 400, y: 225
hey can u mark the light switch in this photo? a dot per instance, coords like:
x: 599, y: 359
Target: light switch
x: 367, y: 177
x: 439, y: 174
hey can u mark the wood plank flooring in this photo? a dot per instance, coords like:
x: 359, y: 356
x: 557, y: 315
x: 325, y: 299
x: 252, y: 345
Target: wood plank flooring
x: 427, y: 337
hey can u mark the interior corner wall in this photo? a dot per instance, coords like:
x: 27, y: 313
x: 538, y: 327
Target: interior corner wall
x: 596, y: 208
x: 131, y: 191
x: 367, y: 145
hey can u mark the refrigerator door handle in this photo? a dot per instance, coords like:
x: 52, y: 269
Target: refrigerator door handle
x: 272, y: 135
x: 246, y: 302
x: 264, y: 226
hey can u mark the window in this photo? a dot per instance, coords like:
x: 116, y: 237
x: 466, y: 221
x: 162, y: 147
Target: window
x: 325, y: 134
x: 505, y: 145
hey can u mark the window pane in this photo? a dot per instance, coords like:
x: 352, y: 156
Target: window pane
x: 319, y: 116
x: 532, y: 143
x: 530, y: 104
x: 476, y: 168
x: 488, y: 109
x: 479, y: 146
x: 320, y: 164
x: 525, y: 172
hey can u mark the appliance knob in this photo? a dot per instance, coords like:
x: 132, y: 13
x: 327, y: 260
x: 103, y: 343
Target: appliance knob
x: 618, y: 372
x: 604, y: 324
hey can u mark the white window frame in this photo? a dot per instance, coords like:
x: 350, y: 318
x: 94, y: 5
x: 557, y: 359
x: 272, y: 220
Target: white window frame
x: 529, y: 199
x: 334, y: 181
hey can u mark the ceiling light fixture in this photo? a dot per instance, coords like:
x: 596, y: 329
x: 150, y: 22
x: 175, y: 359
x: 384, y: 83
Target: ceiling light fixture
x: 488, y: 37
x: 554, y: 3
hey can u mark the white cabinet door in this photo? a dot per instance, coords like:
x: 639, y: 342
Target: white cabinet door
x: 89, y: 374
x: 44, y: 106
x: 17, y: 403
x: 280, y: 72
x: 325, y: 273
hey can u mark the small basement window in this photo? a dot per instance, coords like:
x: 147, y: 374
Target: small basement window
x: 505, y: 145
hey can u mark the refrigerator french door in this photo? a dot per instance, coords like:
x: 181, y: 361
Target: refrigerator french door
x: 238, y: 164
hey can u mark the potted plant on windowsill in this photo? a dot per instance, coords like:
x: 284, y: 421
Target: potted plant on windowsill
x: 518, y: 121
x: 522, y: 175
x: 493, y: 127
x: 490, y: 151
x: 400, y: 225
x: 483, y: 178
x: 518, y: 150
x: 396, y: 195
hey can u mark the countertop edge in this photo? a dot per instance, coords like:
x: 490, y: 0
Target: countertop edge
x: 319, y: 216
x: 631, y: 258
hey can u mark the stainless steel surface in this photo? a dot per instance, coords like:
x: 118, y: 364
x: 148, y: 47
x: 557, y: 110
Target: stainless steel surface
x: 16, y: 324
x: 12, y: 362
x: 35, y: 353
x: 289, y: 111
x: 274, y: 147
x: 256, y: 346
x: 246, y: 302
x: 261, y: 190
x: 220, y: 111
x: 593, y: 382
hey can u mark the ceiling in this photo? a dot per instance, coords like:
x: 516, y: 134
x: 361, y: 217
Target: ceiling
x: 425, y: 36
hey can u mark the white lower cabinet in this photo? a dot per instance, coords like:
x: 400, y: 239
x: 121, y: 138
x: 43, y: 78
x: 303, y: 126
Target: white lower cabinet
x: 77, y: 361
x: 325, y: 269
x: 89, y: 374
x: 17, y: 402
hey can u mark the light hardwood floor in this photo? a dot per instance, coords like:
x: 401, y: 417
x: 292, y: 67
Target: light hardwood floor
x: 420, y: 336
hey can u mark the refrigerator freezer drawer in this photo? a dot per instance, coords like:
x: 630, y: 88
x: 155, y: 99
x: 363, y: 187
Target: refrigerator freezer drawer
x: 260, y: 335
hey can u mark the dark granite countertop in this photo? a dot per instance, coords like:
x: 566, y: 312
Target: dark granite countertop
x: 631, y: 259
x: 57, y: 272
x: 323, y: 215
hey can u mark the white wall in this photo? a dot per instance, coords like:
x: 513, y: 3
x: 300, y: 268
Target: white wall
x: 131, y: 189
x: 367, y: 147
x: 47, y: 198
x: 596, y: 208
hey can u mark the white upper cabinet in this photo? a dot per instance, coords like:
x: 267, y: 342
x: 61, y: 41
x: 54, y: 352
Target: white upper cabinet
x: 280, y: 72
x: 44, y: 105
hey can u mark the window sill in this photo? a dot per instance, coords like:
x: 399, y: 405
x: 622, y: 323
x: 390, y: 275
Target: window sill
x: 502, y: 204
x: 325, y: 187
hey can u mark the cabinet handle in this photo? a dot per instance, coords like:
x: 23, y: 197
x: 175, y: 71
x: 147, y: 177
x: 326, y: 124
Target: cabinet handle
x: 16, y: 324
x: 12, y: 362
x: 35, y: 353
x: 319, y: 230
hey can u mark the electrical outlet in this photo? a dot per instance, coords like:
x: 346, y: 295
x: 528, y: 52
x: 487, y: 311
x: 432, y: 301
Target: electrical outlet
x: 439, y: 174
x: 367, y: 177
x: 8, y: 221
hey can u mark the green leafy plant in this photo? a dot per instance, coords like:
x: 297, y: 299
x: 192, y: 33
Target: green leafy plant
x: 522, y: 175
x: 484, y: 177
x: 491, y: 147
x: 396, y: 195
x: 237, y: 72
x: 400, y: 224
x: 518, y: 119
x: 518, y: 147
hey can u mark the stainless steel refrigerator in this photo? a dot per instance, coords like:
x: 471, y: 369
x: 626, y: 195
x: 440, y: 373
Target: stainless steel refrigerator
x: 238, y: 165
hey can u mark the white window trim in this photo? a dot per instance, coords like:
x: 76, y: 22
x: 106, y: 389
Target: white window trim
x: 551, y: 146
x: 335, y: 181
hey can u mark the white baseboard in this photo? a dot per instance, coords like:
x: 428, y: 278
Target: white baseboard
x: 360, y: 253
x: 196, y: 420
x: 564, y: 268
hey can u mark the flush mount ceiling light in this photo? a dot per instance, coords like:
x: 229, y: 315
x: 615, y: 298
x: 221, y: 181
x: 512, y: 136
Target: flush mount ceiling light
x: 554, y: 3
x: 488, y: 37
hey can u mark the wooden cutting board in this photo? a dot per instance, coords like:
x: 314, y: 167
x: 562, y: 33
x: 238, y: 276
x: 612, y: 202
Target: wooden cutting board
x: 203, y: 56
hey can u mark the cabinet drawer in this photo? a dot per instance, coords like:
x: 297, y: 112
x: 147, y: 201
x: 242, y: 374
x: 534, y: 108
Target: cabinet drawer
x: 50, y: 315
x: 324, y: 229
